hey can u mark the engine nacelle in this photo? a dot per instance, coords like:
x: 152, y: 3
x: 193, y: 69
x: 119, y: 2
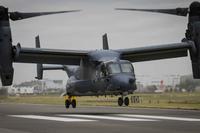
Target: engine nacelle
x: 6, y: 59
x: 193, y: 34
x: 195, y: 57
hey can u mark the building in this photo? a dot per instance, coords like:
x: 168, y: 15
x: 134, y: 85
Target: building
x: 21, y: 90
x: 45, y: 86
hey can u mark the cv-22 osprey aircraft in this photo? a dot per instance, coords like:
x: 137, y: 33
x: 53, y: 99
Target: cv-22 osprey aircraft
x: 97, y: 72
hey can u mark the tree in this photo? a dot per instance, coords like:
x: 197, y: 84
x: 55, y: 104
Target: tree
x: 189, y: 84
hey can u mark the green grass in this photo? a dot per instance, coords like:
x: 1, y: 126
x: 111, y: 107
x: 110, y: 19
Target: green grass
x: 170, y: 100
x: 162, y: 100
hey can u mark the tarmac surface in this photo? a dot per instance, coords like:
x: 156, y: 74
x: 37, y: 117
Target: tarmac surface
x: 29, y: 118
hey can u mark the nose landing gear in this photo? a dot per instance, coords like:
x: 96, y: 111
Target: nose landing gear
x: 70, y: 100
x: 121, y: 101
x: 126, y: 101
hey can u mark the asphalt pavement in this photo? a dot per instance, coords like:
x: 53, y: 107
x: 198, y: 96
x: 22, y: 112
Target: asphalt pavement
x: 31, y: 118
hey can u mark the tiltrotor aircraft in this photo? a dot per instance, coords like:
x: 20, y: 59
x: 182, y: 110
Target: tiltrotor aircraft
x: 97, y: 72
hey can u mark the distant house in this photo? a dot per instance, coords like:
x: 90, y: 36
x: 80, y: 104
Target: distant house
x: 37, y: 87
x: 21, y: 90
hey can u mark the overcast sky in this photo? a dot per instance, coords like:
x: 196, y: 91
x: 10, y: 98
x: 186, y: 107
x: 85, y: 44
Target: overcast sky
x: 84, y: 30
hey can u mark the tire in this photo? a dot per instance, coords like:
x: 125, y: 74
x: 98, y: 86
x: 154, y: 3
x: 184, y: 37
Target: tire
x: 67, y: 103
x: 126, y: 101
x: 73, y: 103
x: 120, y: 101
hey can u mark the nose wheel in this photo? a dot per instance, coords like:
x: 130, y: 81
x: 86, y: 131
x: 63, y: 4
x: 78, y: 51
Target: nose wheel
x: 121, y: 101
x: 69, y: 100
x: 126, y: 101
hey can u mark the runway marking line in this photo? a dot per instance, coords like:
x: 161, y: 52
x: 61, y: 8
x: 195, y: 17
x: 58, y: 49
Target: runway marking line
x: 160, y: 117
x: 61, y: 119
x: 117, y: 117
x: 107, y: 117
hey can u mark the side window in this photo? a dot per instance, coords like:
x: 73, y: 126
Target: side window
x: 114, y: 68
x: 103, y: 72
x: 127, y: 68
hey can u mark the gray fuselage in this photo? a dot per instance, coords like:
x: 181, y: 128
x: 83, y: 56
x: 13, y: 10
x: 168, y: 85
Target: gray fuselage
x: 102, y: 74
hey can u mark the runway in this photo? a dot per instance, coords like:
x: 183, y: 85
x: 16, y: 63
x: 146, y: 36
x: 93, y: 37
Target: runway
x: 29, y: 118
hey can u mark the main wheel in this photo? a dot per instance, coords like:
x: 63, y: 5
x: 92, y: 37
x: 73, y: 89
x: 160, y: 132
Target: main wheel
x: 73, y: 103
x: 120, y: 101
x: 67, y: 103
x: 126, y: 101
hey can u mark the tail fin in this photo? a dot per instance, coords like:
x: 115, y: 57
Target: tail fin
x: 39, y: 71
x: 105, y: 42
x: 37, y: 41
x: 39, y: 66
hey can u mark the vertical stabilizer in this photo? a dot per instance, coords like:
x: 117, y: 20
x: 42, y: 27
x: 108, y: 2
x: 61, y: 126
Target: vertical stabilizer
x: 37, y: 41
x: 39, y: 66
x: 105, y: 42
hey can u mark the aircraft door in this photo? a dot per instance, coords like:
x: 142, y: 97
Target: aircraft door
x: 101, y: 77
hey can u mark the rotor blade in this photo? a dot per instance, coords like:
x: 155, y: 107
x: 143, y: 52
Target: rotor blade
x: 23, y: 15
x: 176, y: 11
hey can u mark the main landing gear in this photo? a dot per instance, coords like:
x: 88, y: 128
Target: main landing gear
x: 121, y: 101
x: 70, y: 100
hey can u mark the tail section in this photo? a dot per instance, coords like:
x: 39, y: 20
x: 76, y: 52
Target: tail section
x: 40, y: 67
x: 70, y: 70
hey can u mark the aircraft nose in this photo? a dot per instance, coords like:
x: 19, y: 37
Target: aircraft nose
x: 131, y: 81
x: 124, y: 82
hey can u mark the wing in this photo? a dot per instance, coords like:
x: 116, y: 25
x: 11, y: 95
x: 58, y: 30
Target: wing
x: 157, y: 52
x: 48, y: 56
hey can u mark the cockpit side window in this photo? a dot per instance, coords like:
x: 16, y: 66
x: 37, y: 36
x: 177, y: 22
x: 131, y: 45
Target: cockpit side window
x: 103, y: 71
x: 114, y: 68
x: 127, y: 68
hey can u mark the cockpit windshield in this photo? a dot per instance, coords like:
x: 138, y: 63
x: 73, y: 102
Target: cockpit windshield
x: 118, y: 67
x: 114, y: 68
x: 127, y: 68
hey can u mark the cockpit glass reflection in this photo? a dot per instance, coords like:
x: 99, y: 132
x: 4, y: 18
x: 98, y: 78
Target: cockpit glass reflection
x: 114, y: 68
x: 127, y: 68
